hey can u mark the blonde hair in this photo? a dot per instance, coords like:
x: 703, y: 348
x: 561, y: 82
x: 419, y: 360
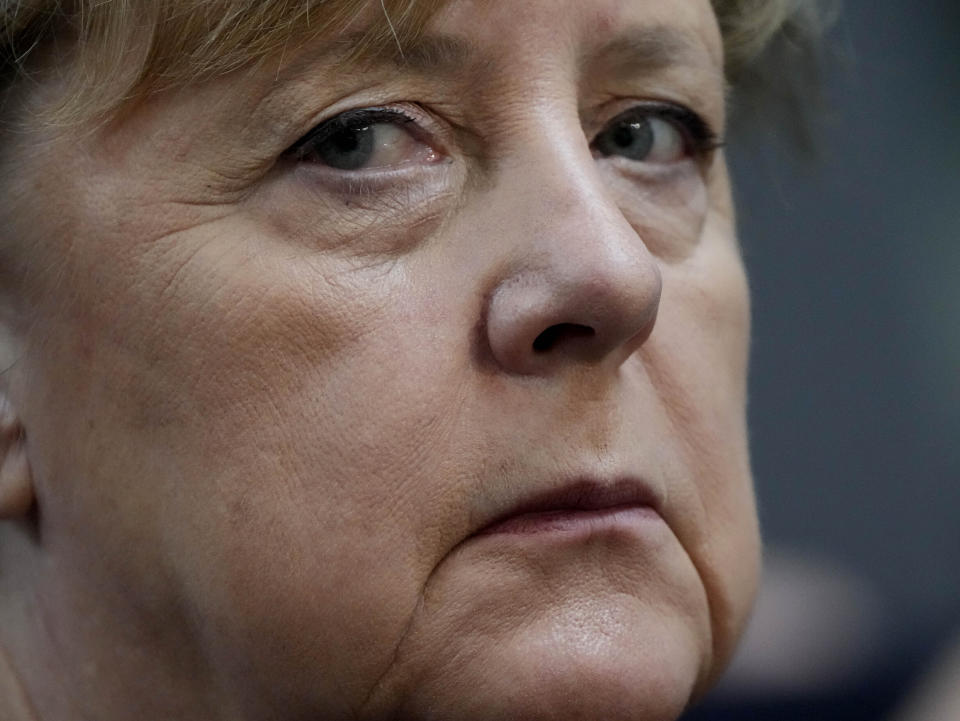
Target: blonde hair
x: 126, y: 49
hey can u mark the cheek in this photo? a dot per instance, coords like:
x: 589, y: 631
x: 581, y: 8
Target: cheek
x: 698, y: 363
x: 667, y: 210
x: 325, y: 482
x: 290, y: 423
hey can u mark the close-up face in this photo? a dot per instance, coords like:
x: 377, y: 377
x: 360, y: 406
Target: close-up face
x: 403, y: 387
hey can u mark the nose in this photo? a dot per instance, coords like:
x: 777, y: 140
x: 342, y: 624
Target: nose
x: 581, y: 287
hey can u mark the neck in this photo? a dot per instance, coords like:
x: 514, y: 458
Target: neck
x: 68, y: 654
x: 76, y: 643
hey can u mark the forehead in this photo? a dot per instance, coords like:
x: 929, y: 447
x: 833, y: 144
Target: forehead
x: 497, y: 50
x: 560, y: 20
x: 628, y: 36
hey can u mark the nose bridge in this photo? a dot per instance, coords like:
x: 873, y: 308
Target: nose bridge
x: 581, y: 285
x: 565, y: 205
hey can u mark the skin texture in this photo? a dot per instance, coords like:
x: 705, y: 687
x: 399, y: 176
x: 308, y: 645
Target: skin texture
x: 263, y: 406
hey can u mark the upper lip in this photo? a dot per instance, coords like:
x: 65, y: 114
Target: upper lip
x: 581, y: 494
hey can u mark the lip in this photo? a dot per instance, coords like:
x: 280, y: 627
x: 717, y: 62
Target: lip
x: 582, y: 506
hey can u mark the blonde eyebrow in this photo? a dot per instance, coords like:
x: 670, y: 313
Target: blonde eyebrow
x: 637, y: 51
x: 639, y: 48
x: 443, y: 54
x: 429, y: 54
x: 646, y: 49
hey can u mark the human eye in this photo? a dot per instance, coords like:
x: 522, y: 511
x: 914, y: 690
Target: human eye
x: 366, y: 139
x: 656, y: 133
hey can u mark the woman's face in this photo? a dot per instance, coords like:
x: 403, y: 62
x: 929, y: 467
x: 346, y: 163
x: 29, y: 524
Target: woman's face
x: 280, y: 389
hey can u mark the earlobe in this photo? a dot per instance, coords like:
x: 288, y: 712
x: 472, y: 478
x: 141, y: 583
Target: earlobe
x: 16, y: 478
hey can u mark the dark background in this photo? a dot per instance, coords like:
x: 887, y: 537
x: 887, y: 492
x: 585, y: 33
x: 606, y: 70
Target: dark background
x: 853, y: 249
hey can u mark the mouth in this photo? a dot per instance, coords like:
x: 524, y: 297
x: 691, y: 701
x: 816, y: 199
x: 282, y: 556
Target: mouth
x: 584, y: 506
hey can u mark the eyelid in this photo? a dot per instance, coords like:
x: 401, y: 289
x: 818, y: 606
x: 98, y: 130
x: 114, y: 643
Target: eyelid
x: 698, y: 133
x: 345, y: 120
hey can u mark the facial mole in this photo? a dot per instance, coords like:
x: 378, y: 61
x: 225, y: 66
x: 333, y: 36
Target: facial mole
x: 556, y: 334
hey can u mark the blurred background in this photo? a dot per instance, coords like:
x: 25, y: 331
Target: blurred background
x: 853, y: 247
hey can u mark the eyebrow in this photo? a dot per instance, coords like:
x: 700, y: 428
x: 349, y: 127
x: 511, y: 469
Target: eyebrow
x: 426, y: 55
x: 638, y: 49
x: 443, y: 54
x: 647, y: 49
x: 635, y: 52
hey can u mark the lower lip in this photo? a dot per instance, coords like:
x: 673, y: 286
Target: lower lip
x: 574, y: 521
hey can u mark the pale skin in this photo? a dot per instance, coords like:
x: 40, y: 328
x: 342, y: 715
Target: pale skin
x: 258, y: 408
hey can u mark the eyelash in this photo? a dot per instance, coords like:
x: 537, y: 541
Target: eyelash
x: 349, y: 120
x: 699, y: 137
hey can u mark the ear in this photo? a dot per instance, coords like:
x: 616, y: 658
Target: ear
x: 16, y: 478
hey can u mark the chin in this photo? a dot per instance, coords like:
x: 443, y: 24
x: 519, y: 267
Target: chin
x: 554, y: 640
x: 646, y: 676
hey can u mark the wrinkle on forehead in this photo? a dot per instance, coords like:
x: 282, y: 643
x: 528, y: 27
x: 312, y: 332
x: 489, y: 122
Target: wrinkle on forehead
x: 466, y: 35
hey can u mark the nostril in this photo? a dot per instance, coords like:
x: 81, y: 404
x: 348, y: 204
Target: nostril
x: 557, y: 334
